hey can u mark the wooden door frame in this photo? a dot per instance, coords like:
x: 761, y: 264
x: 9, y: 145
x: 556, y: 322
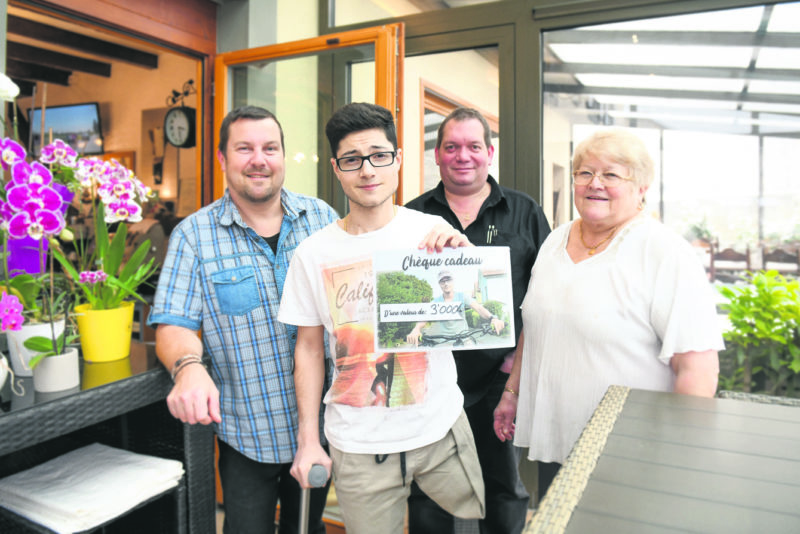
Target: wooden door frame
x: 387, y: 39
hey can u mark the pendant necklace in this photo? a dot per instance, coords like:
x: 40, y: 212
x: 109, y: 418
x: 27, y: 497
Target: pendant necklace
x: 593, y: 249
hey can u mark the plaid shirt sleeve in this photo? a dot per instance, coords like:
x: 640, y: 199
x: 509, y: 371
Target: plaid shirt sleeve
x: 178, y: 299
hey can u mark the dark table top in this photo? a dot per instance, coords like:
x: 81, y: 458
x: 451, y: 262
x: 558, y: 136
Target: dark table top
x: 653, y: 462
x: 107, y: 389
x: 141, y: 360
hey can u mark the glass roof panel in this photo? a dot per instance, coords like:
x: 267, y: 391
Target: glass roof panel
x: 777, y: 122
x: 775, y: 88
x: 675, y: 55
x: 778, y: 58
x: 669, y: 116
x: 734, y: 20
x: 656, y: 102
x: 766, y: 106
x: 661, y: 82
x: 785, y: 18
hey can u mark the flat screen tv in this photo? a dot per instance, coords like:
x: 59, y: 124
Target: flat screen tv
x: 78, y: 125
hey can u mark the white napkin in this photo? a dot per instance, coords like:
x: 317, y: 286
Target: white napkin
x: 87, y: 487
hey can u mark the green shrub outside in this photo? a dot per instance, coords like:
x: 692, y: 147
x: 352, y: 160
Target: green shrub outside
x: 394, y: 288
x: 762, y: 353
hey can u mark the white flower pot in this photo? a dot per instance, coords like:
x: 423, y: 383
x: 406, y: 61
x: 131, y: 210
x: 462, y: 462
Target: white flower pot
x: 18, y: 354
x: 3, y: 370
x: 57, y: 373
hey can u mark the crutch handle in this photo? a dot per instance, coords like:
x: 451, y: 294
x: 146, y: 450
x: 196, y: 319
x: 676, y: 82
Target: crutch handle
x: 317, y: 476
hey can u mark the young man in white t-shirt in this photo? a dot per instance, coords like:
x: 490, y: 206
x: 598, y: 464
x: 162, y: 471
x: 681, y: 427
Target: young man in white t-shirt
x: 390, y: 418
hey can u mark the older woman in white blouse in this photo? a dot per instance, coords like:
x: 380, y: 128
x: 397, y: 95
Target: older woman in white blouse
x: 615, y: 298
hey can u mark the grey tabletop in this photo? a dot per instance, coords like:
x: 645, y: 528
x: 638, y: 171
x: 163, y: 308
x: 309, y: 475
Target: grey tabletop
x: 652, y: 462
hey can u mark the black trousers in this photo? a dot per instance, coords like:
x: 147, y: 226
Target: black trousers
x: 547, y: 472
x: 506, y: 497
x: 252, y: 490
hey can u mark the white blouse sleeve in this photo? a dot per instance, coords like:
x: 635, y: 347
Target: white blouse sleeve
x: 682, y: 311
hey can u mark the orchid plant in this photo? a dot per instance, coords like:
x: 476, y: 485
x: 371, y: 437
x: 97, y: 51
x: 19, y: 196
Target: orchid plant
x: 100, y: 272
x: 33, y: 206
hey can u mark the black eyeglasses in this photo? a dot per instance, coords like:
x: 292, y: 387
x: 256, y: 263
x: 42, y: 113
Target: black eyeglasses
x: 353, y: 163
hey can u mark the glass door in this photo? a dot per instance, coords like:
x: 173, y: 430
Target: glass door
x: 303, y: 82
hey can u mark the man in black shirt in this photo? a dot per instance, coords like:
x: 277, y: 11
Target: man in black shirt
x: 489, y: 215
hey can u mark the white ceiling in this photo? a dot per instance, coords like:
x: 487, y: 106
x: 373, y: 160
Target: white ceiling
x: 739, y: 67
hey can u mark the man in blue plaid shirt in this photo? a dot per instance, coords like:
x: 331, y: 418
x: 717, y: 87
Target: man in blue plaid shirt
x: 224, y: 275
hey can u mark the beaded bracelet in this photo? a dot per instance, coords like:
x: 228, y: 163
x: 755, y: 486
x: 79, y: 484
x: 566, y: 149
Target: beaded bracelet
x: 182, y: 362
x: 186, y: 364
x: 508, y: 388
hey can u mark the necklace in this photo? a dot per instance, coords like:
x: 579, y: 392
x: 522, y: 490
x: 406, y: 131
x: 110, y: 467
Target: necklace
x: 593, y: 249
x: 344, y: 221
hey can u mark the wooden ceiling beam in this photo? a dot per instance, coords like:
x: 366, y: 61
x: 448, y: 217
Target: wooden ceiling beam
x: 29, y: 71
x: 50, y: 58
x: 51, y: 34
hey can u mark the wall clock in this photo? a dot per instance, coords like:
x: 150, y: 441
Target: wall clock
x: 179, y: 125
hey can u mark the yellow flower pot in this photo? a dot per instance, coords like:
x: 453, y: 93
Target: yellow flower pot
x: 105, y: 334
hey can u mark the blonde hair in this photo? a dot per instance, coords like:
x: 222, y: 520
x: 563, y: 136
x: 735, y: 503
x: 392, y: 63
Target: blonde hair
x: 620, y: 146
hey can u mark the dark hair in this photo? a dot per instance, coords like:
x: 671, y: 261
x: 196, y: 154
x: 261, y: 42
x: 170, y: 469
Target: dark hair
x: 462, y: 114
x: 244, y: 112
x: 356, y: 117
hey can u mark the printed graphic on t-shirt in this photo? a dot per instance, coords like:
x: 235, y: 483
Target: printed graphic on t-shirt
x: 364, y: 377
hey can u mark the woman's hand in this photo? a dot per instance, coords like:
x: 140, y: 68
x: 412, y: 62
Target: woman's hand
x: 504, y: 416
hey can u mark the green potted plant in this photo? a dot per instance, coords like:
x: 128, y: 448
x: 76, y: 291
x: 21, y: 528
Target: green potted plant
x: 763, y: 344
x: 55, y: 363
x: 103, y: 278
x: 699, y: 232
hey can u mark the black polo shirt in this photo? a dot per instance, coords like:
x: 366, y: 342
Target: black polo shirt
x: 506, y: 218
